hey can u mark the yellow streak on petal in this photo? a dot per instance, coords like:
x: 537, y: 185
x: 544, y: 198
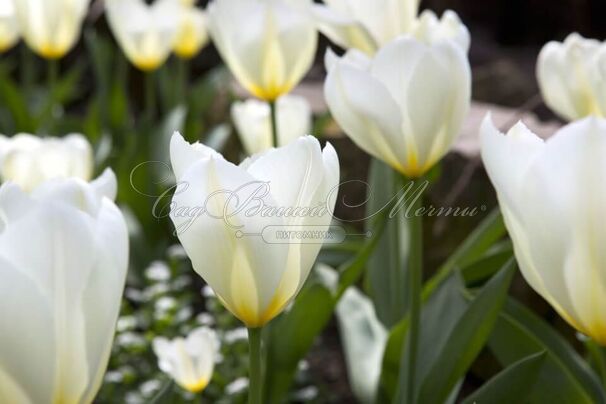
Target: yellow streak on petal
x: 147, y: 64
x: 196, y: 387
x: 49, y: 51
x: 270, y: 93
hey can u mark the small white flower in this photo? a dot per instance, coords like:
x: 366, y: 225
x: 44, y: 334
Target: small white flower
x: 237, y: 386
x: 158, y: 271
x: 189, y: 361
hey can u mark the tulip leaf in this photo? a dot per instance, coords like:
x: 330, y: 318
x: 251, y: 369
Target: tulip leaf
x: 364, y: 339
x: 13, y: 99
x: 475, y: 245
x: 386, y: 272
x: 564, y: 377
x: 439, y: 315
x: 466, y: 339
x: 484, y: 268
x: 512, y: 385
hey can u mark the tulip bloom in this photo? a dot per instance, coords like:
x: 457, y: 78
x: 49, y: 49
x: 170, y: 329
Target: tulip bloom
x: 552, y: 194
x: 192, y: 34
x: 29, y: 160
x: 365, y: 25
x: 572, y: 77
x: 51, y: 28
x: 189, y: 361
x: 146, y: 33
x: 9, y: 27
x: 268, y: 45
x: 252, y: 119
x: 406, y: 105
x: 222, y: 211
x: 63, y: 262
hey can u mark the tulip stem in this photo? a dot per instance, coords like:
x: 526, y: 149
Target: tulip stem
x: 183, y: 74
x: 274, y: 122
x: 53, y: 79
x: 255, y: 391
x: 415, y: 276
x: 150, y: 98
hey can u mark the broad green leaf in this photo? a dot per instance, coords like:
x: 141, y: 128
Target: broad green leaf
x: 15, y: 101
x: 475, y: 245
x: 387, y: 275
x: 484, y: 268
x: 439, y: 316
x: 512, y: 385
x: 364, y: 339
x: 466, y: 339
x: 565, y: 376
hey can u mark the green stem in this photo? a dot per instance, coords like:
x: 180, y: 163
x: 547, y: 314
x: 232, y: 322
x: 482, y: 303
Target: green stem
x: 52, y: 80
x: 415, y: 273
x: 27, y: 65
x: 150, y: 98
x: 183, y: 75
x: 274, y: 122
x: 255, y: 391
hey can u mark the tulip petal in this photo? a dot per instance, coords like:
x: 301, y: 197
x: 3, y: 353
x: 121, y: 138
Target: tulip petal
x: 26, y: 358
x: 243, y: 271
x: 571, y: 238
x: 106, y: 284
x: 62, y: 238
x: 343, y: 31
x: 183, y: 155
x: 366, y: 111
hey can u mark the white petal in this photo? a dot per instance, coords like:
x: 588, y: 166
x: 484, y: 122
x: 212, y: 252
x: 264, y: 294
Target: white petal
x: 366, y: 111
x: 243, y: 271
x: 183, y: 154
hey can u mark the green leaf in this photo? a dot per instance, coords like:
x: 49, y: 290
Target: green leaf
x: 475, y: 245
x: 439, y: 316
x: 512, y: 385
x: 364, y: 339
x: 564, y: 377
x: 467, y: 338
x: 387, y: 275
x: 15, y: 101
x: 484, y: 268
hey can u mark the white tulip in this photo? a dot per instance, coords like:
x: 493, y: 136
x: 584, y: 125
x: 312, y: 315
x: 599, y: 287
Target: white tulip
x: 51, y: 28
x: 229, y: 219
x: 63, y: 262
x: 9, y: 27
x: 252, y: 119
x: 552, y: 194
x: 146, y: 33
x: 269, y: 45
x: 192, y: 35
x: 189, y: 361
x: 29, y: 160
x: 406, y: 105
x: 572, y: 77
x: 365, y: 25
x: 428, y: 28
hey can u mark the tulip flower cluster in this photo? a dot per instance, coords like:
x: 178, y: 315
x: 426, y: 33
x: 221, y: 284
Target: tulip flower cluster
x: 253, y: 230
